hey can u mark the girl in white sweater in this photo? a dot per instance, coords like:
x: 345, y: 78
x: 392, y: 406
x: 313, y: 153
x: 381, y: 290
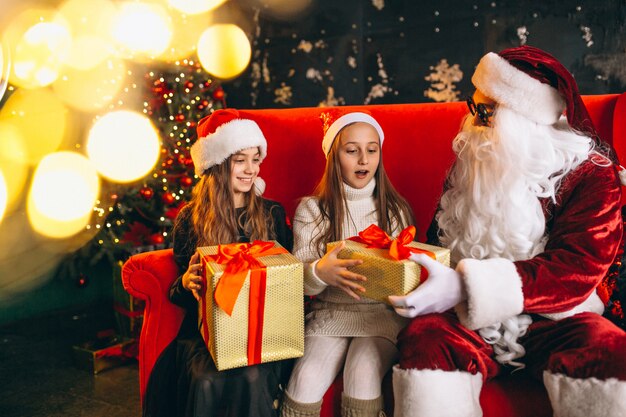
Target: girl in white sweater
x: 345, y: 330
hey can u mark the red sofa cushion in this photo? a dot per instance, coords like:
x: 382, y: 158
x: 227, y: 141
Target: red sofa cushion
x: 417, y: 155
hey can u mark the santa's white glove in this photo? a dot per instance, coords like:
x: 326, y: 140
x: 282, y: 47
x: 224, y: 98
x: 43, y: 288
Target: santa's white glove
x: 442, y: 290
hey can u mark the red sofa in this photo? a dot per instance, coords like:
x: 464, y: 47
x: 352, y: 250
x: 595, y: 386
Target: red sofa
x: 417, y: 154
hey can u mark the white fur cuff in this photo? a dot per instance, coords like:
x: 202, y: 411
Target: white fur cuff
x: 433, y: 392
x: 588, y: 397
x: 494, y: 292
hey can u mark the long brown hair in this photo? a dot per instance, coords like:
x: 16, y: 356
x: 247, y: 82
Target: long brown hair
x: 391, y: 208
x: 213, y: 210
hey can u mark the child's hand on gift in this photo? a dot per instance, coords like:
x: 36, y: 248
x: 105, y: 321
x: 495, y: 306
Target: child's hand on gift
x: 192, y: 279
x: 334, y: 272
x: 440, y: 292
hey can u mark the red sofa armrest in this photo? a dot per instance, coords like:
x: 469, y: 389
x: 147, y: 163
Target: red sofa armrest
x: 148, y: 276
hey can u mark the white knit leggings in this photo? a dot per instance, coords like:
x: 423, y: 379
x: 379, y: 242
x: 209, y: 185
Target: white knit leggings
x: 366, y: 360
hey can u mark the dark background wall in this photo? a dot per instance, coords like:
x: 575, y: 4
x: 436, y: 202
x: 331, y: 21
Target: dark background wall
x: 382, y: 51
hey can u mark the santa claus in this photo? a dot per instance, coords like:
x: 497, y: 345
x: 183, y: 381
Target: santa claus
x: 531, y: 213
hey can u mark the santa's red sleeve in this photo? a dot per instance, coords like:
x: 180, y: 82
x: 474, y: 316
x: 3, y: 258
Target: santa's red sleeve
x: 584, y: 231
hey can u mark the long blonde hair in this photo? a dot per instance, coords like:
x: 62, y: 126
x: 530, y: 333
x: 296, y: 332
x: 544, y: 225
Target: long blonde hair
x: 213, y: 210
x: 391, y: 208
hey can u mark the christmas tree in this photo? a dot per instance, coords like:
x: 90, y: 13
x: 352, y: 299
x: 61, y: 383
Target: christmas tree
x: 139, y: 216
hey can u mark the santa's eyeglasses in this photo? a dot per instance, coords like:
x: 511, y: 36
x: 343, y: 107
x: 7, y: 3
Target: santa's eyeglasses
x: 482, y: 110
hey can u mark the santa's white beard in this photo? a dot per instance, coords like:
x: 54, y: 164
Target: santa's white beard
x: 492, y: 207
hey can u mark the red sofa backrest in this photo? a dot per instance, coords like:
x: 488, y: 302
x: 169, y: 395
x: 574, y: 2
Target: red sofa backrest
x: 417, y: 149
x: 416, y: 153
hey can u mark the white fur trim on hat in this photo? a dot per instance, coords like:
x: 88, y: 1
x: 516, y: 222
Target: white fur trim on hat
x: 344, y: 121
x: 513, y: 88
x: 433, y: 392
x: 585, y: 397
x: 229, y: 138
x: 494, y: 292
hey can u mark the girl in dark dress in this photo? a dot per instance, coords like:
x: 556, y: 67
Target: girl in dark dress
x: 225, y: 208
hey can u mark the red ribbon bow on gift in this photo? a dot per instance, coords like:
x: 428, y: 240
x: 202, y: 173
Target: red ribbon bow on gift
x: 375, y: 237
x: 240, y: 258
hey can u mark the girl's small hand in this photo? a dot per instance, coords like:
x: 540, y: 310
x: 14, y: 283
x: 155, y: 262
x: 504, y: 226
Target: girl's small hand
x: 334, y: 272
x: 192, y: 279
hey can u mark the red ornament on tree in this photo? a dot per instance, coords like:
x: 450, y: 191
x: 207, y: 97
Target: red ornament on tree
x: 180, y: 117
x: 218, y: 94
x: 156, y: 239
x: 186, y: 181
x: 203, y: 105
x: 168, y: 198
x: 189, y: 85
x: 82, y: 281
x: 146, y: 193
x: 159, y: 87
x: 173, y: 212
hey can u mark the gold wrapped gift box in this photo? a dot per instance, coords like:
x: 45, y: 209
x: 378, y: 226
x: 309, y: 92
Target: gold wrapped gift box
x: 385, y: 275
x: 283, y: 319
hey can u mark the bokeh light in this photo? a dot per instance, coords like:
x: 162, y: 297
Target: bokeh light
x: 39, y: 54
x: 5, y: 68
x: 88, y: 51
x: 224, y: 50
x: 13, y: 162
x: 91, y: 89
x: 142, y: 29
x: 90, y: 24
x: 64, y: 190
x: 186, y: 31
x: 36, y: 44
x: 3, y: 195
x: 123, y: 145
x: 195, y: 6
x: 41, y: 119
x: 93, y: 17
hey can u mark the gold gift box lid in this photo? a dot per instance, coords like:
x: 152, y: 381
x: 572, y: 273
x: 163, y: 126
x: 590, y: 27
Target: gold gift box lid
x: 105, y: 353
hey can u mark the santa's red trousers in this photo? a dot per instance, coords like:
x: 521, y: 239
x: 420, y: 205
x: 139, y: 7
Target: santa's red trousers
x: 582, y: 346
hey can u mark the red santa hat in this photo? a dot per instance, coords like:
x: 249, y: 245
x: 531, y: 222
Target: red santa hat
x: 222, y: 134
x: 534, y: 84
x: 337, y: 118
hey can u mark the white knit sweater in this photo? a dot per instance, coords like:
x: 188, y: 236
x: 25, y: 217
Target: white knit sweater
x: 335, y: 313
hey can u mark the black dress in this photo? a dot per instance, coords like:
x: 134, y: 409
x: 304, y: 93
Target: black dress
x: 184, y: 381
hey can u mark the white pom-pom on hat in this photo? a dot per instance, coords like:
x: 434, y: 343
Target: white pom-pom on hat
x: 621, y: 171
x: 259, y: 186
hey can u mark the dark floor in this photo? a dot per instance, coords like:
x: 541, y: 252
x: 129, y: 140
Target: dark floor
x: 39, y: 377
